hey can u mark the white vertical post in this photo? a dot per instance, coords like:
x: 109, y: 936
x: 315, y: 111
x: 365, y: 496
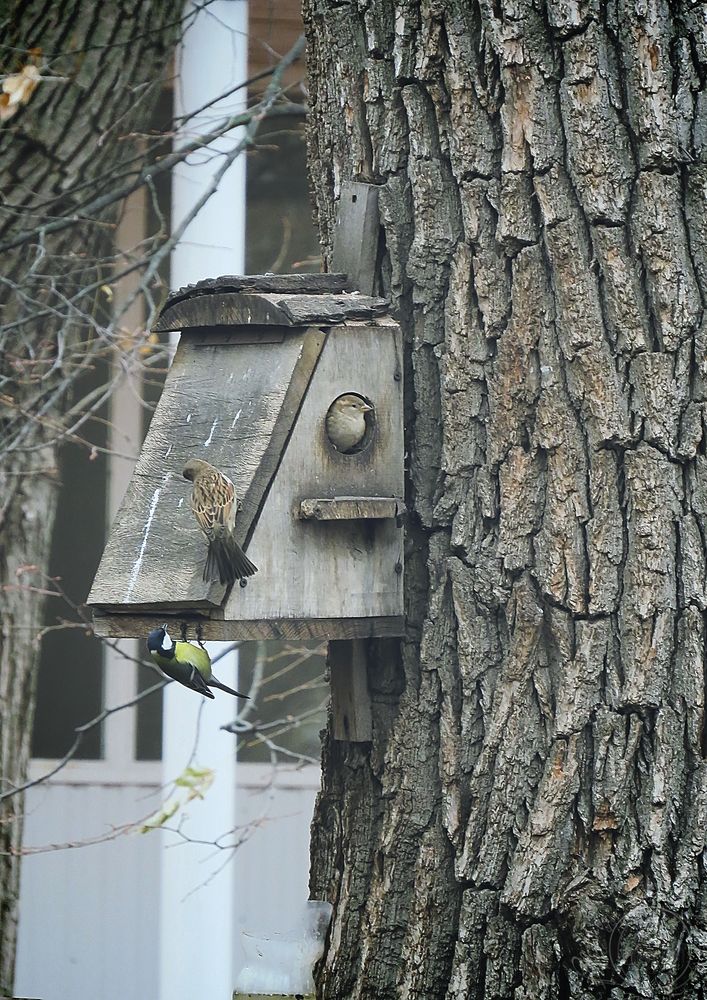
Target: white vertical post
x: 213, y: 59
x: 197, y: 924
x: 124, y: 440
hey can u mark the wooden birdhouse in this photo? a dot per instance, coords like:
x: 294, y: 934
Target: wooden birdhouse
x: 260, y: 362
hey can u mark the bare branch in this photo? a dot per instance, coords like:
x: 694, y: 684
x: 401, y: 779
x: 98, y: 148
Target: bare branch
x: 252, y: 118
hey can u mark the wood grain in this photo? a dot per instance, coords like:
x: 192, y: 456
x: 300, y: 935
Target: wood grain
x: 352, y: 720
x: 247, y: 308
x: 357, y: 234
x: 312, y: 284
x: 350, y: 508
x: 257, y: 492
x: 133, y: 625
x: 232, y: 405
x: 331, y: 308
x: 334, y: 569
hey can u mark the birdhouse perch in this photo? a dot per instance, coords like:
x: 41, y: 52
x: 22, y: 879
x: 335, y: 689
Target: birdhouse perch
x: 260, y: 361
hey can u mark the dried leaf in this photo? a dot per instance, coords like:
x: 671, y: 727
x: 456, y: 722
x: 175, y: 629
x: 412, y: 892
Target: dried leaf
x: 151, y: 341
x: 159, y: 818
x: 197, y: 780
x: 17, y: 90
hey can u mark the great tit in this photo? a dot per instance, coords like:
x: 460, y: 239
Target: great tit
x: 186, y: 663
x: 215, y: 505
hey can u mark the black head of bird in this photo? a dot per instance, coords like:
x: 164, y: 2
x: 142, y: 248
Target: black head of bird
x: 159, y: 641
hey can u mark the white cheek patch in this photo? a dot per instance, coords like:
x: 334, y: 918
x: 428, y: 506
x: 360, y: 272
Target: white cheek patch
x: 167, y: 643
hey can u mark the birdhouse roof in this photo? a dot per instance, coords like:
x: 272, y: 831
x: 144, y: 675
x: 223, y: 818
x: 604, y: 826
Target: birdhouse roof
x: 284, y: 300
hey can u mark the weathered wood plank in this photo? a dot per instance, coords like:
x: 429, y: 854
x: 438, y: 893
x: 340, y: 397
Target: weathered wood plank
x: 227, y: 309
x: 268, y: 309
x: 194, y: 605
x: 357, y: 234
x: 331, y: 308
x: 334, y: 569
x: 350, y: 699
x: 254, y: 497
x: 131, y: 626
x: 232, y: 405
x: 310, y: 284
x: 209, y: 335
x: 350, y: 508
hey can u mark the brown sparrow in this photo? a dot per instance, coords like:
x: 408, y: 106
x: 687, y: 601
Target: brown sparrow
x: 214, y: 503
x: 346, y: 421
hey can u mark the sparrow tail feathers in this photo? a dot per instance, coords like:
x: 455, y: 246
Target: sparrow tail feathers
x: 226, y: 561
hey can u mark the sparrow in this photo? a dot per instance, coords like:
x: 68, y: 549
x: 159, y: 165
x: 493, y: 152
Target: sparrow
x: 215, y: 505
x: 186, y: 663
x: 346, y: 421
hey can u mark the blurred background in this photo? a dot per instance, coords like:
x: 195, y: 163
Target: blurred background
x: 106, y: 909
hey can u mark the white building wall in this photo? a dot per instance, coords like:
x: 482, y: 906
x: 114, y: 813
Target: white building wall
x: 271, y: 868
x: 89, y: 915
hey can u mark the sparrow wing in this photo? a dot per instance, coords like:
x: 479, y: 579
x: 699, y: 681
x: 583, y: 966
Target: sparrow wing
x: 213, y: 501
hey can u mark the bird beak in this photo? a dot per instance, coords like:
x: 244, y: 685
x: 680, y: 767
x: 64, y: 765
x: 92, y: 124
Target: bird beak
x: 366, y: 408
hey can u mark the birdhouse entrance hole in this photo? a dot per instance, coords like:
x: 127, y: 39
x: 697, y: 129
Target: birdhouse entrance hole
x: 261, y: 362
x: 366, y: 414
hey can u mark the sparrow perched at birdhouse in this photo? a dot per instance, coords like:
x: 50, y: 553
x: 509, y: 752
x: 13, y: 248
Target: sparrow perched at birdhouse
x: 186, y: 663
x: 215, y: 505
x: 346, y: 421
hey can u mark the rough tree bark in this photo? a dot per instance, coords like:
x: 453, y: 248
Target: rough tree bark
x: 107, y: 62
x: 529, y: 820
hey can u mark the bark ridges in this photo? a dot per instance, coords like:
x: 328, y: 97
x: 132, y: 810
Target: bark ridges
x: 542, y: 190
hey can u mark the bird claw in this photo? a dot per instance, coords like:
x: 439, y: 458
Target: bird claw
x: 183, y: 630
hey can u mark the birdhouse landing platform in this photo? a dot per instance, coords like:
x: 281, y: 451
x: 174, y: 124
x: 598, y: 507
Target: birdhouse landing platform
x: 260, y: 361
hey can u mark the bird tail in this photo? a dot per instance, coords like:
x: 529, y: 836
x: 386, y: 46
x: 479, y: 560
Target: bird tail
x: 213, y: 682
x: 226, y: 561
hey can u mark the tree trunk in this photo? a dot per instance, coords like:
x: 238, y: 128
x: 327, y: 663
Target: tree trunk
x: 529, y: 820
x: 72, y: 139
